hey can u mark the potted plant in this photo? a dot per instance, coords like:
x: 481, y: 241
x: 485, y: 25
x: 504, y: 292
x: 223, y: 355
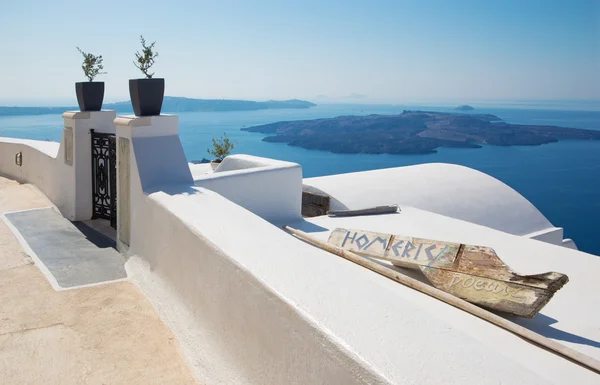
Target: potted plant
x: 147, y: 93
x: 221, y: 148
x: 90, y: 94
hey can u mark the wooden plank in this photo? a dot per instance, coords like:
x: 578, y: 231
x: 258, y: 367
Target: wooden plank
x: 473, y: 273
x: 400, y: 250
x: 538, y: 339
x: 377, y: 210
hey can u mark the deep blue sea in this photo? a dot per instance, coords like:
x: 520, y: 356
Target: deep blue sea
x: 561, y: 179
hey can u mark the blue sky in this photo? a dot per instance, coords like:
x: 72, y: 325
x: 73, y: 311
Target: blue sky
x: 354, y: 51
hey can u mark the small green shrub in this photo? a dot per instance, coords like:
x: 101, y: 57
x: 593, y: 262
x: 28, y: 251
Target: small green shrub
x: 221, y: 147
x: 145, y: 59
x: 92, y: 65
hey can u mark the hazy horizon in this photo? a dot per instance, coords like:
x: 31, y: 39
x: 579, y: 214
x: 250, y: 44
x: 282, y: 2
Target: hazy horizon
x: 378, y: 52
x: 550, y: 105
x: 584, y: 104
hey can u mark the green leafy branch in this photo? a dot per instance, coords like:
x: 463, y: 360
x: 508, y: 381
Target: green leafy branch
x: 221, y: 147
x: 145, y: 59
x: 92, y: 65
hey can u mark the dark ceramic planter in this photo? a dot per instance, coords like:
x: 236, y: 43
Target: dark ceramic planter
x: 215, y: 163
x: 90, y: 95
x: 146, y: 96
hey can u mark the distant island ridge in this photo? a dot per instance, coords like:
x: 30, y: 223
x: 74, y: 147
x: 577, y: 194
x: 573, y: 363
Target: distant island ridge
x: 464, y: 107
x: 412, y: 132
x: 172, y: 104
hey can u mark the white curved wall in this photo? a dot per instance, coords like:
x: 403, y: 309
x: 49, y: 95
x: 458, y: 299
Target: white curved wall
x: 451, y: 190
x: 271, y: 189
x: 38, y: 164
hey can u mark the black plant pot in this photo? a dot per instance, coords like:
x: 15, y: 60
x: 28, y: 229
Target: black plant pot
x: 146, y: 96
x: 90, y: 95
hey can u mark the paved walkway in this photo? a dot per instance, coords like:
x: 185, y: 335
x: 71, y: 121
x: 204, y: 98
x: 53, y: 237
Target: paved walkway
x: 71, y: 256
x: 106, y: 334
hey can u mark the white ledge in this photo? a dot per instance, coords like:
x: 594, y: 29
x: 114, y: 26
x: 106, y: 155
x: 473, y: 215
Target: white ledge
x: 76, y: 115
x: 86, y: 114
x: 140, y: 121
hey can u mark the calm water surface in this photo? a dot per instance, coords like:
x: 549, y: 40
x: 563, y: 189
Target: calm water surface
x: 561, y: 179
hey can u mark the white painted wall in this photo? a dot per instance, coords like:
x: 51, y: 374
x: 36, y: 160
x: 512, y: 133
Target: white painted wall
x: 79, y: 176
x: 38, y: 167
x: 451, y: 190
x: 252, y: 305
x: 156, y: 161
x: 271, y: 189
x: 68, y: 186
x: 233, y: 327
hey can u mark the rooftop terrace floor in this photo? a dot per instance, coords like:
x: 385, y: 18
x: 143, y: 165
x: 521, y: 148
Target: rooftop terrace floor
x: 101, y: 334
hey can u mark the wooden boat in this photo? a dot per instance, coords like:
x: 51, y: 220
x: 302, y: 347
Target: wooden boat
x: 473, y: 273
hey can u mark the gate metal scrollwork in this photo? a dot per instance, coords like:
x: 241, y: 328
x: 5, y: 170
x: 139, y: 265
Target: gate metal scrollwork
x: 104, y: 177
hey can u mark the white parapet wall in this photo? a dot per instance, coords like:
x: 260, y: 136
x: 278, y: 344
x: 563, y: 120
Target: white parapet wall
x: 271, y: 189
x: 62, y: 170
x: 199, y: 269
x: 251, y: 304
x: 233, y: 327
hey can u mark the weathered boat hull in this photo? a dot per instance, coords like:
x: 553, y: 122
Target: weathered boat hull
x: 473, y: 273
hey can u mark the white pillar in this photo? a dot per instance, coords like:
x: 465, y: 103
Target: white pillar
x: 77, y: 157
x: 149, y: 157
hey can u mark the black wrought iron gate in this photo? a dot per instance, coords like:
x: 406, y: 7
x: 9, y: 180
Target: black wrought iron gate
x: 104, y: 177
